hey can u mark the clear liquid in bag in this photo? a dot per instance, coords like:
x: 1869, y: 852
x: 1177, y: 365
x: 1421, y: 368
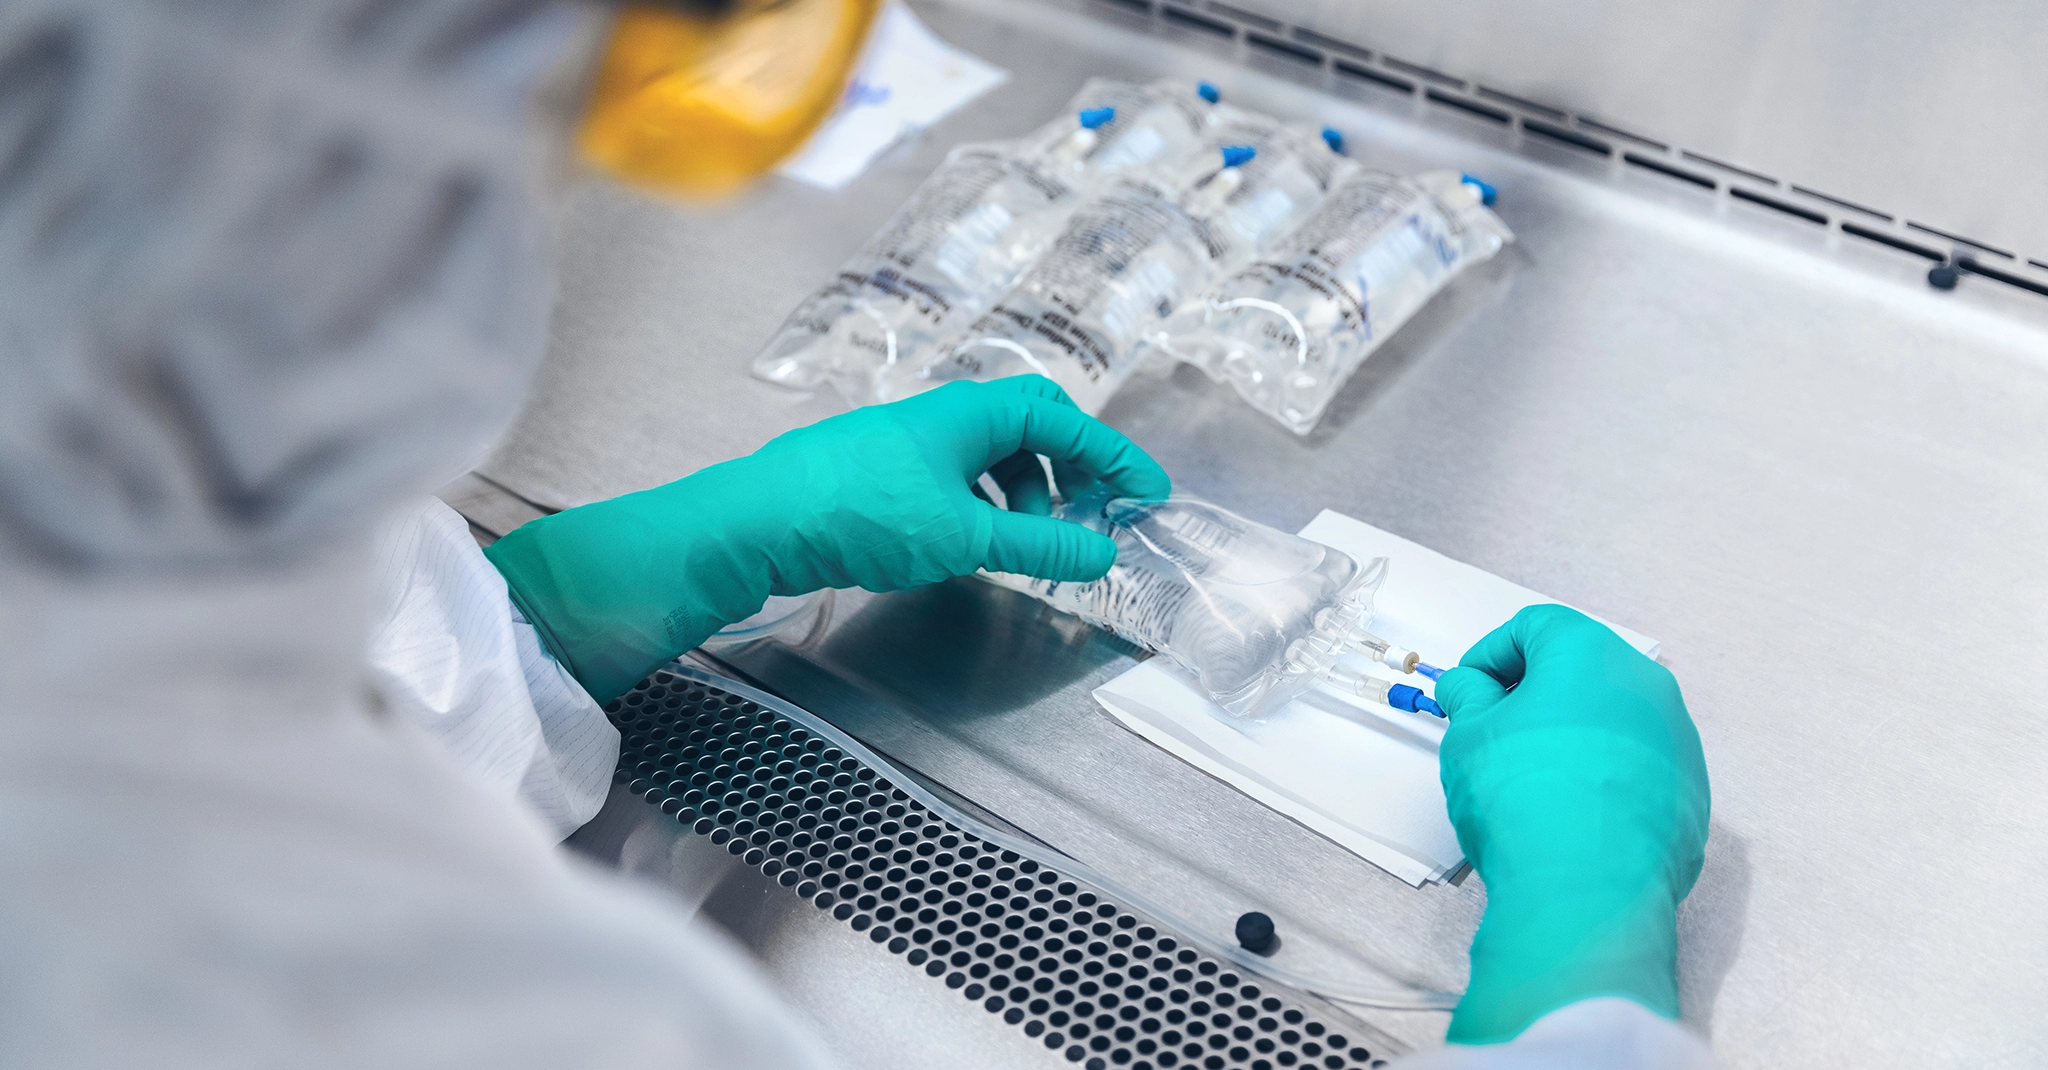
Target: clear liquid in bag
x: 1133, y: 253
x: 1255, y: 614
x: 966, y: 233
x: 1288, y: 330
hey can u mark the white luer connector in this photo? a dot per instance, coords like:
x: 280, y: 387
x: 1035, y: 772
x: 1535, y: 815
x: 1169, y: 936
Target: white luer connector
x: 1393, y: 657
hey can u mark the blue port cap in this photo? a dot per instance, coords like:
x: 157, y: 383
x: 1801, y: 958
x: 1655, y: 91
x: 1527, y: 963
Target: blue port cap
x: 1334, y: 138
x: 1209, y: 92
x: 1487, y: 193
x: 1094, y: 117
x: 1238, y: 155
x: 1403, y: 697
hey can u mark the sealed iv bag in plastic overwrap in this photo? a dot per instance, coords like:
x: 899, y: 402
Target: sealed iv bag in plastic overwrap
x: 1287, y: 330
x: 1136, y: 250
x: 967, y: 232
x: 1255, y: 614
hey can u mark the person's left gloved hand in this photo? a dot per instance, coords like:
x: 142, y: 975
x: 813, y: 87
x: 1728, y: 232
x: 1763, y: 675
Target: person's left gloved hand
x: 882, y: 497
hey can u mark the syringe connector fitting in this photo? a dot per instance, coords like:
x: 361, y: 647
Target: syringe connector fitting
x: 1393, y: 657
x: 1412, y: 700
x: 1373, y: 689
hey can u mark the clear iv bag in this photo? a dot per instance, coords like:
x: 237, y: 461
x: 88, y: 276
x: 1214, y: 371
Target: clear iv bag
x: 966, y: 233
x: 1255, y: 614
x: 1136, y: 250
x: 1289, y: 329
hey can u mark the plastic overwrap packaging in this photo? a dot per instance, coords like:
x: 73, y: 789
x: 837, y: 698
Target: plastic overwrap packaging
x: 1287, y: 330
x: 966, y: 233
x: 1256, y: 615
x: 1135, y: 251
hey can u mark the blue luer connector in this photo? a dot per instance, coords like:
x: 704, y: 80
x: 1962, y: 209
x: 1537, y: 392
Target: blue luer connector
x: 1334, y: 138
x: 1486, y: 192
x: 1411, y: 699
x: 1095, y: 117
x: 1238, y: 155
x: 1209, y: 92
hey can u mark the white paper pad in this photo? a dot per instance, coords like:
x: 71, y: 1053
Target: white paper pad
x: 1361, y: 774
x: 908, y: 79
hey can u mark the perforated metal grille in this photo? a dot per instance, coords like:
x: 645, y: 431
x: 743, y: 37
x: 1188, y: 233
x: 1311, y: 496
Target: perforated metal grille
x: 1091, y: 981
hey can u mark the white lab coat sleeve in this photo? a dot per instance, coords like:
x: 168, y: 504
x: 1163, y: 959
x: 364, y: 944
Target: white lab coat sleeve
x: 215, y: 856
x: 450, y: 656
x: 1594, y: 1034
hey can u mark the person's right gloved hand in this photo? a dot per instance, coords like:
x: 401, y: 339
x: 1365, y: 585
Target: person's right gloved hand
x: 1578, y: 790
x: 882, y: 497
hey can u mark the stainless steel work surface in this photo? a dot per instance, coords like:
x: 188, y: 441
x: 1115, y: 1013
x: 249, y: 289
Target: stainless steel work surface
x: 1763, y: 441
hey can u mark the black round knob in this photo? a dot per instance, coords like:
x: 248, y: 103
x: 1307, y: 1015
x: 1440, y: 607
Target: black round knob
x: 1255, y: 933
x: 1943, y: 276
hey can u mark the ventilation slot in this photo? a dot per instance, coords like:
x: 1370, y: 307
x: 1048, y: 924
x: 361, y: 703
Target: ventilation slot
x: 1840, y: 203
x: 1142, y: 7
x: 1971, y: 265
x: 1047, y: 954
x: 1775, y: 204
x: 1594, y: 124
x: 1200, y: 23
x: 1284, y: 49
x: 1925, y: 229
x: 1569, y: 137
x: 1881, y: 238
x: 1353, y: 70
x: 1427, y: 74
x: 1470, y: 106
x: 1523, y: 103
x: 1666, y: 169
x: 1244, y: 16
x: 1729, y: 167
x: 1329, y: 43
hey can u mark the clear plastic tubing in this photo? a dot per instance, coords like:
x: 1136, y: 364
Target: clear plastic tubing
x: 1402, y: 697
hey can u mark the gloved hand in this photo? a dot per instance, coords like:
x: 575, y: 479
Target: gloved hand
x: 882, y: 497
x: 1578, y: 789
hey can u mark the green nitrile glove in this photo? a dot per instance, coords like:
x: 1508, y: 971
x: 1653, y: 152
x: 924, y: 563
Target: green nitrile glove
x: 881, y: 497
x: 1580, y: 797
